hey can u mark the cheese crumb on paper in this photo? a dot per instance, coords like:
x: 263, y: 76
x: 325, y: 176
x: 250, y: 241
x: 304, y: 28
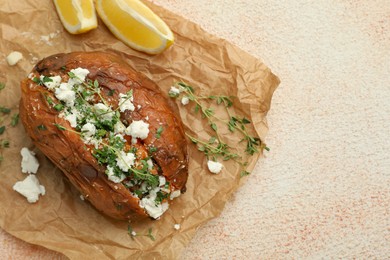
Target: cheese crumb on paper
x: 29, y: 163
x: 14, y: 57
x: 30, y: 188
x: 214, y: 167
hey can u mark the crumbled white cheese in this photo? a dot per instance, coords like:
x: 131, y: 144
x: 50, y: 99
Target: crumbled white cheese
x: 31, y: 75
x: 174, y: 194
x: 65, y: 93
x: 185, y: 100
x: 112, y: 177
x: 125, y: 103
x: 80, y: 75
x: 82, y: 197
x: 30, y: 188
x: 104, y: 111
x: 176, y: 226
x: 55, y: 82
x: 88, y: 130
x: 162, y: 180
x: 121, y: 137
x: 149, y: 204
x: 214, y: 167
x: 133, y: 233
x: 125, y: 160
x: 72, y: 119
x: 138, y: 129
x: 150, y: 164
x: 139, y: 107
x: 174, y: 91
x: 14, y: 57
x: 30, y: 164
x: 119, y: 128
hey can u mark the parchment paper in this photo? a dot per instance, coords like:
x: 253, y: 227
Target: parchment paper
x: 61, y: 221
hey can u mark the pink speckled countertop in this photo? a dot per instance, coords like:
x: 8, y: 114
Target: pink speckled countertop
x: 324, y: 189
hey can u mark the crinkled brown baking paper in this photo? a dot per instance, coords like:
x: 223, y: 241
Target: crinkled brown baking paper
x: 61, y: 221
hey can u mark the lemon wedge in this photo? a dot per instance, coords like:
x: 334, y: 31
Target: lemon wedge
x: 77, y: 16
x: 135, y: 24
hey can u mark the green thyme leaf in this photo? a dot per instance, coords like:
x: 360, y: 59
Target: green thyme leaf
x: 159, y: 131
x: 41, y: 127
x: 49, y: 100
x: 213, y: 126
x: 150, y: 235
x: 59, y: 107
x: 152, y: 149
x: 4, y: 144
x: 46, y: 79
x: 15, y: 119
x: 111, y: 92
x: 60, y: 127
x: 5, y: 110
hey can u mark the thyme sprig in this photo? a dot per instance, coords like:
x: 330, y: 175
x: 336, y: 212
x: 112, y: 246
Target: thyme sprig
x: 134, y: 234
x: 216, y: 147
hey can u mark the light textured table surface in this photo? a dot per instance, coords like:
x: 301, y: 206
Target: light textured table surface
x: 324, y: 189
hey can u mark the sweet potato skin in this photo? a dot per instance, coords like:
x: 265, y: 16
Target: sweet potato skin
x: 66, y: 149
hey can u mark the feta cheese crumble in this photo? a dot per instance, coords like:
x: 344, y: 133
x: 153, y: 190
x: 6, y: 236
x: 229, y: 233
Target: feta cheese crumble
x: 125, y: 103
x: 138, y: 129
x: 149, y: 204
x: 29, y: 163
x: 55, y: 82
x: 214, y: 167
x: 174, y: 91
x: 65, y: 93
x: 14, y: 57
x: 88, y: 130
x: 103, y: 111
x: 119, y: 128
x: 176, y: 226
x: 30, y: 188
x: 174, y: 194
x: 113, y: 177
x: 162, y: 180
x: 185, y: 100
x: 80, y: 75
x: 125, y: 160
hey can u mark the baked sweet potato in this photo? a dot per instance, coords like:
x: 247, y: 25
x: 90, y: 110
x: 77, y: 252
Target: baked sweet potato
x: 110, y: 130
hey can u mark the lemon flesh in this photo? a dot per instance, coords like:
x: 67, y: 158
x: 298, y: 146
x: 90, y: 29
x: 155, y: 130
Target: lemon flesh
x: 77, y: 16
x: 135, y: 24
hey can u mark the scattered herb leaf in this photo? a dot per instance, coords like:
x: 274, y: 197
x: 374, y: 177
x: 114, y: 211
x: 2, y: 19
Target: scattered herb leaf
x: 159, y: 131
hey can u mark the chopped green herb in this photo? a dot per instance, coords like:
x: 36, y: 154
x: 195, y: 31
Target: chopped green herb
x: 15, y: 119
x: 59, y: 107
x: 60, y: 127
x: 111, y: 92
x: 2, y: 85
x: 49, y: 100
x: 41, y: 127
x: 134, y: 234
x: 2, y: 129
x: 159, y: 131
x: 152, y: 149
x: 63, y: 68
x: 1, y: 158
x: 37, y: 80
x: 5, y: 110
x: 4, y: 144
